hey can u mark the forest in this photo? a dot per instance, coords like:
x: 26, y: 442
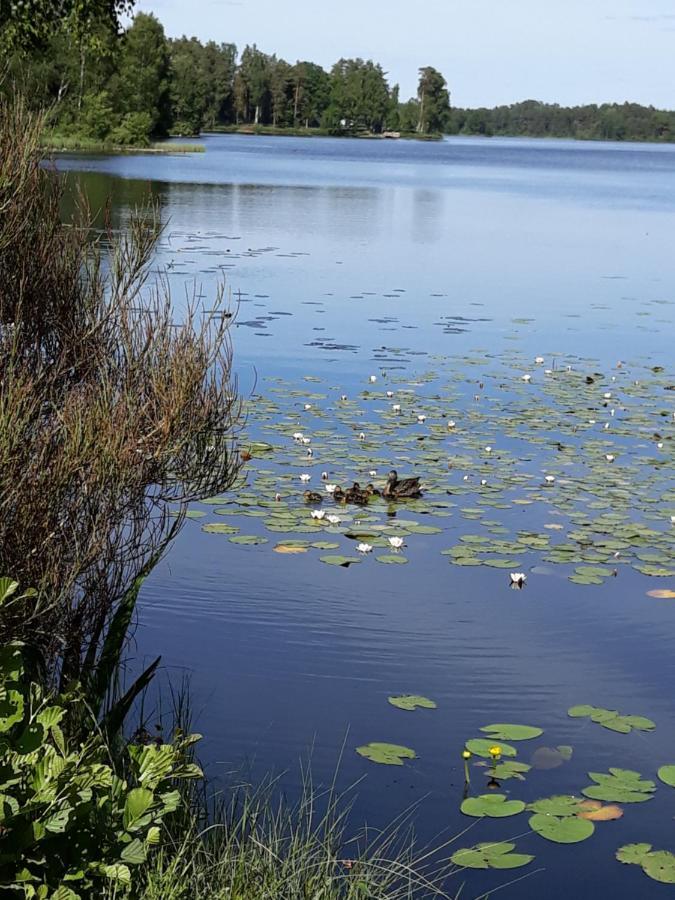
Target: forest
x: 101, y: 83
x: 125, y: 88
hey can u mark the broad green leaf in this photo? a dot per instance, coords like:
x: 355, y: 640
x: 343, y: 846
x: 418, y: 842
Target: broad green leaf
x: 660, y: 866
x: 562, y: 830
x: 633, y: 853
x: 482, y: 747
x: 386, y: 754
x: 512, y: 732
x: 494, y: 806
x: 562, y: 805
x: 138, y: 801
x: 667, y: 775
x: 411, y: 702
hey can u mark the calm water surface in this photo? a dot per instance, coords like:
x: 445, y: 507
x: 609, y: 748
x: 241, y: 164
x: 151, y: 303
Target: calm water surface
x: 346, y: 257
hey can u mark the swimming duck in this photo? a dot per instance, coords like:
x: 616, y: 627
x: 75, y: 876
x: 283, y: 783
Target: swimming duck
x: 312, y: 497
x: 372, y: 491
x: 356, y: 494
x: 398, y: 489
x: 338, y: 494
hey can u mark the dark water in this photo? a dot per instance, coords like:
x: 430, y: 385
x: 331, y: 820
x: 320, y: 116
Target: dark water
x: 346, y: 256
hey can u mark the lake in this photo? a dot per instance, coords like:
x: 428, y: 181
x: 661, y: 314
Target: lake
x: 498, y: 318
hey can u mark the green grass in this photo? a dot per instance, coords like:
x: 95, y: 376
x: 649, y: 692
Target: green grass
x: 68, y: 143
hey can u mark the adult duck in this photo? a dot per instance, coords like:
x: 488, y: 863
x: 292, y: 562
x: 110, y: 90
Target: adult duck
x: 401, y: 488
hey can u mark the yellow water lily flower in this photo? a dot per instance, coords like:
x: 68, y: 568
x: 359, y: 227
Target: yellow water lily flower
x: 495, y: 752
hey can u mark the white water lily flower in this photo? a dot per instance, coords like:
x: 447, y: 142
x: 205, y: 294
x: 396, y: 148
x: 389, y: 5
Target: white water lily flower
x: 526, y: 377
x: 390, y: 394
x: 591, y: 421
x: 362, y: 436
x: 397, y: 542
x: 539, y: 360
x: 277, y: 497
x: 607, y: 395
x: 372, y: 473
x: 306, y: 440
x: 606, y: 426
x: 549, y: 479
x: 373, y: 379
x: 466, y: 478
x: 310, y: 452
x: 330, y: 488
x: 308, y: 406
x: 483, y: 481
x: 610, y: 457
x: 396, y: 408
x: 343, y: 397
x: 611, y: 412
x: 518, y: 578
x: 672, y: 520
x: 364, y: 548
x: 318, y: 514
x: 421, y: 418
x: 298, y: 436
x: 451, y: 423
x: 305, y: 478
x: 334, y: 520
x: 548, y: 371
x: 660, y: 445
x: 488, y: 449
x: 324, y: 476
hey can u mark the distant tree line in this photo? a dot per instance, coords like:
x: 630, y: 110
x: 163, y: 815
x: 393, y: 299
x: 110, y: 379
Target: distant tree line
x: 609, y: 122
x: 124, y: 86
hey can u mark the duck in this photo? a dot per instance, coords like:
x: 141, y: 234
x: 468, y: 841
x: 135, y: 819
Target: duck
x: 356, y: 494
x: 400, y: 488
x: 338, y: 494
x: 372, y: 491
x: 312, y: 497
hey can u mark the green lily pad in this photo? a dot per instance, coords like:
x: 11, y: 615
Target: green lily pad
x: 490, y: 856
x: 345, y: 561
x: 660, y: 866
x: 219, y: 528
x: 619, y: 786
x: 512, y: 732
x: 494, y: 806
x: 633, y: 854
x: 562, y: 830
x: 562, y: 805
x: 248, y: 539
x: 505, y: 770
x: 482, y: 747
x: 324, y: 545
x: 412, y: 701
x: 667, y: 775
x: 386, y: 754
x: 392, y: 560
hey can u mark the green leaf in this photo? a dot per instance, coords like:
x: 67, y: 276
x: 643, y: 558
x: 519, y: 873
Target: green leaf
x: 482, y: 746
x: 494, y: 806
x: 490, y: 856
x: 633, y: 854
x: 561, y: 805
x: 667, y: 775
x: 392, y: 559
x: 134, y: 853
x: 344, y: 561
x: 562, y: 830
x: 505, y: 770
x: 660, y: 866
x: 386, y: 754
x: 411, y: 702
x: 118, y: 872
x: 153, y: 835
x: 7, y: 587
x: 138, y: 801
x: 620, y: 786
x: 248, y: 539
x: 512, y: 732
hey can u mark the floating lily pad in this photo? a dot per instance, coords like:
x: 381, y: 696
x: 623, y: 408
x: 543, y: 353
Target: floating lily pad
x: 667, y: 775
x: 490, y: 856
x: 662, y: 594
x: 344, y: 561
x: 482, y: 747
x: 620, y: 786
x: 494, y: 806
x: 561, y: 830
x: 562, y: 805
x: 219, y: 528
x: 633, y: 854
x: 594, y: 811
x: 386, y: 754
x: 611, y: 719
x: 506, y: 770
x: 512, y: 732
x: 248, y: 539
x: 657, y: 864
x: 393, y: 559
x: 411, y: 702
x: 546, y: 758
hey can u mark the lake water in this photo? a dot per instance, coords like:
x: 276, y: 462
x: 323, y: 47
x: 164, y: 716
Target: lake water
x: 443, y: 270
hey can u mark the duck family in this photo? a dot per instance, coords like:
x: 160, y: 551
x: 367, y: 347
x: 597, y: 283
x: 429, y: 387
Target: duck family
x: 395, y: 489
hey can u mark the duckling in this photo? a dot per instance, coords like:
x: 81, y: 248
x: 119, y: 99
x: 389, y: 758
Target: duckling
x: 372, y: 491
x: 338, y: 494
x: 356, y: 494
x: 312, y: 497
x: 398, y: 489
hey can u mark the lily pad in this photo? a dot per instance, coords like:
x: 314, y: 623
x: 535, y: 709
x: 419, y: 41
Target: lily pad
x: 490, y: 856
x: 412, y: 701
x: 248, y: 539
x: 562, y: 806
x: 502, y: 732
x: 219, y: 528
x: 562, y: 830
x: 633, y: 854
x: 620, y: 786
x: 392, y: 560
x: 595, y: 811
x: 386, y: 754
x: 494, y: 806
x: 344, y: 561
x: 667, y: 775
x: 505, y: 770
x: 482, y: 747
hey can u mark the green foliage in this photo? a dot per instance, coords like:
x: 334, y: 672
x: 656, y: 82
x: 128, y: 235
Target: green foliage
x: 386, y: 754
x: 490, y: 856
x: 434, y: 101
x: 411, y: 702
x: 561, y: 830
x: 494, y: 806
x: 620, y: 786
x: 72, y: 821
x: 658, y: 864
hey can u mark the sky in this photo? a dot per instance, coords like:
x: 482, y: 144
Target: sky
x: 490, y: 51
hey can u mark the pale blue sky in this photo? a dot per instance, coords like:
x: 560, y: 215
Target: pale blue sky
x: 491, y: 51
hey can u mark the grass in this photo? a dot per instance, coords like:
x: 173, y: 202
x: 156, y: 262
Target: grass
x: 252, y: 847
x: 68, y: 143
x: 314, y: 132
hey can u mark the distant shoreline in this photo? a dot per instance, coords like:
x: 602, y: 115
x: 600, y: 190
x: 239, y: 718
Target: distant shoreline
x: 274, y: 131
